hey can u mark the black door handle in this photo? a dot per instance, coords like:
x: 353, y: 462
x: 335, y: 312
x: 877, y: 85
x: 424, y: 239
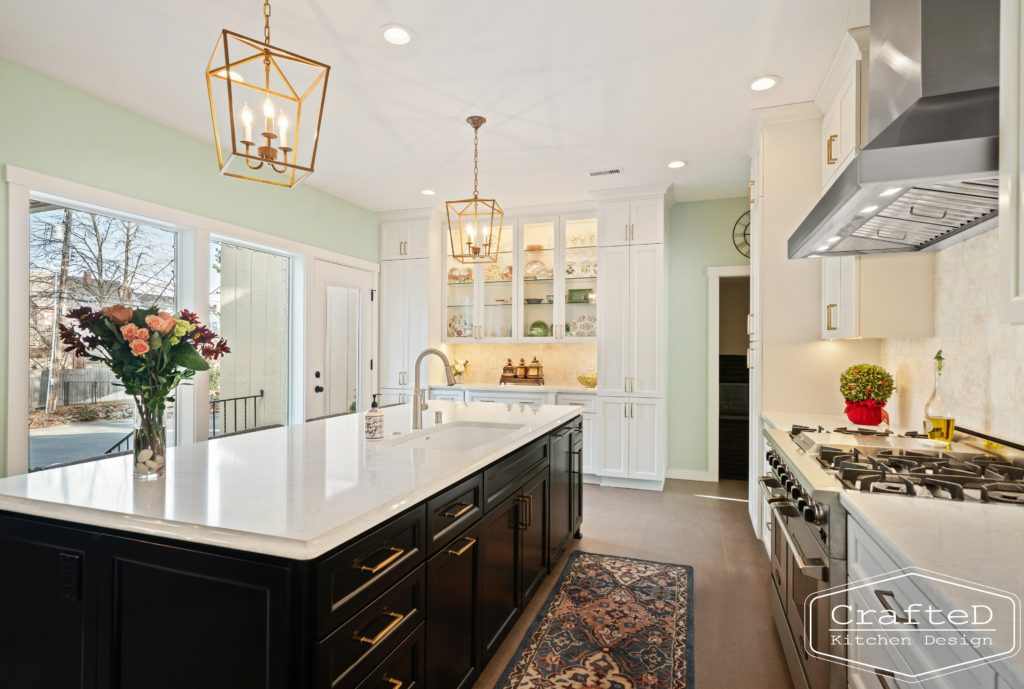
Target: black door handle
x: 318, y: 388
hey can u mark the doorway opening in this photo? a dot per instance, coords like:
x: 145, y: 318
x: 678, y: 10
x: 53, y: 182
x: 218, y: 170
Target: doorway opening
x: 728, y: 375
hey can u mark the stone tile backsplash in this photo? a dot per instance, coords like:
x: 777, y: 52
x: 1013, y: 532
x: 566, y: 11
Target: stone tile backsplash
x: 562, y: 362
x: 984, y: 370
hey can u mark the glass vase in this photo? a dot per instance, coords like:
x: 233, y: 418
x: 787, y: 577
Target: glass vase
x: 149, y: 443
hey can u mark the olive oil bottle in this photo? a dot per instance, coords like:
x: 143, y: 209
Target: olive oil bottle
x: 938, y: 413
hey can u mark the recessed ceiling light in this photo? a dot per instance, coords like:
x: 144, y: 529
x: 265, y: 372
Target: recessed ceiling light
x: 676, y: 164
x: 764, y: 83
x: 396, y: 34
x: 427, y: 192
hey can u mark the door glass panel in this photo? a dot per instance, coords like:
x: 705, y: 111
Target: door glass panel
x: 342, y: 366
x: 499, y: 289
x: 249, y: 307
x: 538, y: 279
x: 460, y: 292
x: 77, y: 409
x: 581, y: 278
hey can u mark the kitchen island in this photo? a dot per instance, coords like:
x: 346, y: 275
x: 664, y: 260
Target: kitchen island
x: 302, y: 556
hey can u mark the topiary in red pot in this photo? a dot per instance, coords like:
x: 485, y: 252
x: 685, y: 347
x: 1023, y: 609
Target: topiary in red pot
x: 866, y: 388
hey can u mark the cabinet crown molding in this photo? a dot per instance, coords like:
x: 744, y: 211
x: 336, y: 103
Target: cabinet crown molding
x: 789, y: 112
x: 853, y: 48
x: 428, y: 213
x: 632, y: 193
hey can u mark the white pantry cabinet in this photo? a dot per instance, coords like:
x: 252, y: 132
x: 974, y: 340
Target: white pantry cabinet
x: 630, y: 316
x: 404, y: 320
x: 404, y: 238
x: 890, y: 295
x: 1011, y: 161
x: 633, y: 221
x: 632, y: 437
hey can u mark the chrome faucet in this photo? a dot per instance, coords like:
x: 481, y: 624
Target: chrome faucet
x: 419, y: 405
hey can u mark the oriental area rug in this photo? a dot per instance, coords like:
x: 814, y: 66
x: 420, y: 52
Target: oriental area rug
x: 610, y: 623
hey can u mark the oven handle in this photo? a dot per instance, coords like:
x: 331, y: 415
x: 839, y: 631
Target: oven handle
x: 766, y: 491
x: 815, y: 568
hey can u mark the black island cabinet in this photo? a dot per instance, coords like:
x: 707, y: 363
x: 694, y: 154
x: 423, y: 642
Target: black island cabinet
x: 422, y: 601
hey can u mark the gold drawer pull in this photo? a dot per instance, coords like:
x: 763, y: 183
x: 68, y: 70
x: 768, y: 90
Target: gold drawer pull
x: 395, y: 683
x: 466, y: 507
x: 395, y: 554
x: 830, y: 158
x: 828, y: 317
x: 470, y: 542
x: 396, y: 620
x: 750, y: 193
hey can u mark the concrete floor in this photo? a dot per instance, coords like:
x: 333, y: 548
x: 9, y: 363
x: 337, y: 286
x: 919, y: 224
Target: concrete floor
x: 736, y: 645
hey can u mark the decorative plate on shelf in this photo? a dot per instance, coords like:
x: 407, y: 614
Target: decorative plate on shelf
x: 538, y: 329
x: 496, y: 273
x: 458, y: 326
x: 547, y: 273
x: 534, y: 269
x: 571, y: 269
x: 588, y: 269
x: 583, y: 325
x: 460, y: 275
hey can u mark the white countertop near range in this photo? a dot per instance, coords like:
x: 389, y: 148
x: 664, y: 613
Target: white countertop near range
x: 786, y: 420
x: 980, y: 542
x: 294, y: 492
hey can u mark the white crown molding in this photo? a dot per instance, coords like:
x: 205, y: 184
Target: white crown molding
x: 425, y: 213
x: 853, y: 47
x: 790, y: 112
x: 623, y: 193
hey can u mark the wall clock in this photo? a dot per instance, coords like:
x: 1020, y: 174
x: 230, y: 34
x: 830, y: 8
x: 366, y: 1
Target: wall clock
x: 741, y: 234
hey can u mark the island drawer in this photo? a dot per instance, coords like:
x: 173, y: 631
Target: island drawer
x: 346, y: 657
x: 505, y: 478
x: 348, y: 580
x: 452, y: 512
x: 403, y: 669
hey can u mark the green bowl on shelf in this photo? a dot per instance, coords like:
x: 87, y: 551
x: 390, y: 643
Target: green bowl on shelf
x: 538, y: 329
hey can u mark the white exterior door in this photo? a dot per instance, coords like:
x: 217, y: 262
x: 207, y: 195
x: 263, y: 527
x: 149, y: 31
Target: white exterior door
x: 646, y: 437
x: 613, y: 320
x: 341, y: 317
x: 395, y: 325
x: 646, y: 316
x: 614, y: 444
x: 647, y: 220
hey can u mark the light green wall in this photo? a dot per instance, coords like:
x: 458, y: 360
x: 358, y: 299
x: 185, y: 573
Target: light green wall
x: 49, y: 127
x: 700, y: 236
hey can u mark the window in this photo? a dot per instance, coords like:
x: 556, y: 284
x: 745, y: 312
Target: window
x: 83, y: 258
x: 249, y: 307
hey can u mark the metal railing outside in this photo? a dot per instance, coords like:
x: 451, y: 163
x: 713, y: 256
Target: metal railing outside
x: 222, y: 402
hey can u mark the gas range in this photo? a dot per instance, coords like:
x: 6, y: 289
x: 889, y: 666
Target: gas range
x: 911, y: 465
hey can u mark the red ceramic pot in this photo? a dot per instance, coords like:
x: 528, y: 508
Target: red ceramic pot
x: 866, y: 413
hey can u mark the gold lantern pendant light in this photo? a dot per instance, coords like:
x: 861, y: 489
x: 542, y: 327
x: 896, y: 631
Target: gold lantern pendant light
x: 286, y: 88
x: 474, y: 225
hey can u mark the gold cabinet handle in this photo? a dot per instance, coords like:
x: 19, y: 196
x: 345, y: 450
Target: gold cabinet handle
x: 828, y: 317
x: 470, y: 542
x: 395, y: 683
x: 396, y: 619
x: 395, y: 554
x: 750, y: 351
x: 750, y: 193
x: 830, y: 158
x: 466, y: 507
x: 750, y: 324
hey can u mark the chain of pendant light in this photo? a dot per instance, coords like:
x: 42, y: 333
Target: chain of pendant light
x: 266, y: 42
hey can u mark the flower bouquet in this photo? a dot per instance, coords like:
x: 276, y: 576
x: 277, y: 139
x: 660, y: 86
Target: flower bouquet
x: 459, y: 368
x: 866, y: 388
x: 149, y: 352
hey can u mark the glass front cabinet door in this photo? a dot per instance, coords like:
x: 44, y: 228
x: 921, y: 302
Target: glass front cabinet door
x: 460, y: 292
x: 579, y: 319
x: 481, y: 298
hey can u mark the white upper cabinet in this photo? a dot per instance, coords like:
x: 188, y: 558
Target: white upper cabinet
x: 636, y: 221
x: 401, y: 239
x: 889, y: 295
x: 1011, y: 161
x: 843, y: 100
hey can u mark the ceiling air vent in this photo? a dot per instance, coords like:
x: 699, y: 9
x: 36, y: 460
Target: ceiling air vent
x: 606, y: 171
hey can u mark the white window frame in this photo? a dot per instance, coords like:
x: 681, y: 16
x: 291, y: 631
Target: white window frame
x: 194, y: 235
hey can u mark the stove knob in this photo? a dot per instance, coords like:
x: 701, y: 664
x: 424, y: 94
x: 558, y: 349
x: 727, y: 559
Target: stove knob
x: 801, y: 503
x: 815, y: 514
x: 789, y: 484
x: 796, y: 492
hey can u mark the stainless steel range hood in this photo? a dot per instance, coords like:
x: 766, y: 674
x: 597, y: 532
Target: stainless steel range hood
x: 929, y: 175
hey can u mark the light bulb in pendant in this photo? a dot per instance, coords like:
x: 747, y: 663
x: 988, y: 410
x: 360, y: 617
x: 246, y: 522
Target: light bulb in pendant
x: 247, y: 122
x: 268, y: 113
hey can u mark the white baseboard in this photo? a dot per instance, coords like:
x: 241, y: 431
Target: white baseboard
x: 690, y: 475
x: 637, y: 484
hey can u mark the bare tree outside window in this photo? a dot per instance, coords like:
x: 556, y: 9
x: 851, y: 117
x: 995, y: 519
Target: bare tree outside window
x: 79, y: 258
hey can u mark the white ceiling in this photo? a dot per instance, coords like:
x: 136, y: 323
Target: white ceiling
x: 566, y: 85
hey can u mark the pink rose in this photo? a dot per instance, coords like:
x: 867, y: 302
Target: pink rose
x: 139, y: 347
x: 119, y: 314
x: 129, y: 332
x: 162, y: 322
x: 142, y: 334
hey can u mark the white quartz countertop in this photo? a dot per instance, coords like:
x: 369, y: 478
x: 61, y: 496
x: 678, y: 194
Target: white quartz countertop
x: 979, y: 542
x: 568, y: 387
x: 294, y: 492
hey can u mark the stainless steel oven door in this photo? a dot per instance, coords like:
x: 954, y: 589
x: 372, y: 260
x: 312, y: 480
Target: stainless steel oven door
x: 804, y: 567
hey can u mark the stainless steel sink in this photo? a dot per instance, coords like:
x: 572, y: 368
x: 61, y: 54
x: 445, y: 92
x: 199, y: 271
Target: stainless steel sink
x: 456, y: 435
